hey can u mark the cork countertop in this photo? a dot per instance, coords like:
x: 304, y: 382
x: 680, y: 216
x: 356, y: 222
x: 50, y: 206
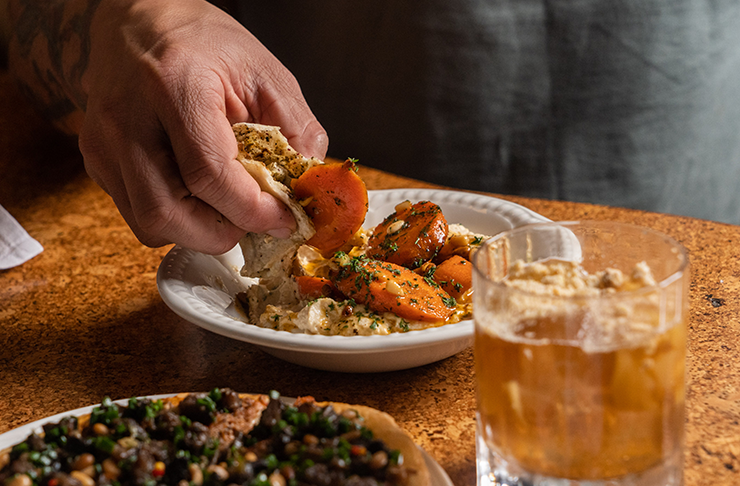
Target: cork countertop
x: 84, y: 320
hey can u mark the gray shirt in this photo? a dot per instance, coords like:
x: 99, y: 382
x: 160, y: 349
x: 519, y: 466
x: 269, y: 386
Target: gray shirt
x: 633, y: 103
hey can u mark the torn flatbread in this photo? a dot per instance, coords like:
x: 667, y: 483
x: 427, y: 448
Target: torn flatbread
x: 273, y: 163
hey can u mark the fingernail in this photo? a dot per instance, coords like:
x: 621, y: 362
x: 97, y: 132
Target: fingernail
x: 281, y: 233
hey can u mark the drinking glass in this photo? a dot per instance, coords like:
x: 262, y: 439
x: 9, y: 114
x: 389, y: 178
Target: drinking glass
x: 580, y: 388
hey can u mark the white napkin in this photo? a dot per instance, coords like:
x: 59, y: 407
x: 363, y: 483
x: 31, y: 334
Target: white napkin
x: 16, y: 245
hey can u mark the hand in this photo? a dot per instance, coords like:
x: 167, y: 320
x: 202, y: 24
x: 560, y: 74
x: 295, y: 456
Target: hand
x: 166, y: 80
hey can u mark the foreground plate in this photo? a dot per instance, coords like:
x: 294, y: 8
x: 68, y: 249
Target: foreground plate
x: 15, y: 436
x: 201, y: 288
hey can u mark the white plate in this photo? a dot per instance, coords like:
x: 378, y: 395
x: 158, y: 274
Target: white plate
x: 201, y: 288
x: 18, y: 435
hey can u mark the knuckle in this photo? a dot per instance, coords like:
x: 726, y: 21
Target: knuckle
x: 205, y: 179
x: 144, y: 237
x: 151, y: 241
x: 92, y: 139
x: 221, y: 245
x: 105, y: 129
x: 89, y: 144
x: 157, y: 218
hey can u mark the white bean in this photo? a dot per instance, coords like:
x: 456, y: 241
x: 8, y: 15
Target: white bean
x: 395, y: 227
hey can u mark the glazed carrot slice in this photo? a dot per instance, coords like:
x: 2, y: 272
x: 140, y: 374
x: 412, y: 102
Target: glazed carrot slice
x: 315, y: 287
x: 387, y: 287
x: 455, y: 276
x: 335, y: 198
x: 410, y: 236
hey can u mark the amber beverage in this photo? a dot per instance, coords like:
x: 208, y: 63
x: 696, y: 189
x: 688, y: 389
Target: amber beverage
x: 580, y: 387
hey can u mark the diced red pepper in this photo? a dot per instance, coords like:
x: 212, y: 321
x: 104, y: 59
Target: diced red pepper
x: 158, y: 470
x: 358, y: 450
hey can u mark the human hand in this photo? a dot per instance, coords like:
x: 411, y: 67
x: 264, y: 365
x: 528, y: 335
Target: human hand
x: 166, y: 80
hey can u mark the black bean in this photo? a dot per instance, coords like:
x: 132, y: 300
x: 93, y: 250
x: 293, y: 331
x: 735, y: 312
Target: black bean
x: 164, y: 425
x: 241, y: 472
x: 195, y: 437
x: 194, y: 407
x: 21, y: 465
x: 142, y: 467
x: 375, y: 445
x: 177, y: 470
x: 67, y: 480
x: 229, y: 400
x: 272, y: 413
x: 36, y: 443
x: 134, y: 429
x: 318, y: 474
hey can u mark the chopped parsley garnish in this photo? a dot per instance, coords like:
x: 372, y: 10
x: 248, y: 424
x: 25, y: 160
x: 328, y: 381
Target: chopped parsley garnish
x: 105, y: 413
x: 207, y: 403
x: 431, y: 282
x: 449, y: 301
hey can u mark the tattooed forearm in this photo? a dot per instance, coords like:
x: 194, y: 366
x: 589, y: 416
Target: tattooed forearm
x: 49, y: 51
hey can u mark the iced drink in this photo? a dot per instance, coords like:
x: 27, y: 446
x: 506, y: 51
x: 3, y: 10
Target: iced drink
x: 580, y: 373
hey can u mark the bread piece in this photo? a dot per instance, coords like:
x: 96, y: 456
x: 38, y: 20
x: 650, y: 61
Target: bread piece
x: 273, y: 163
x: 227, y: 427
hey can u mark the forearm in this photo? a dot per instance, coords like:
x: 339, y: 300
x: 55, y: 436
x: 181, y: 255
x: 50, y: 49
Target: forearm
x: 49, y: 50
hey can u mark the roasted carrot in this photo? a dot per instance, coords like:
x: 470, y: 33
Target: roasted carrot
x: 316, y: 287
x: 335, y: 198
x: 455, y: 276
x: 387, y: 287
x: 410, y: 236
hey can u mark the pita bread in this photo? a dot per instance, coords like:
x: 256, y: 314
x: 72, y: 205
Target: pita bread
x: 273, y: 163
x: 387, y: 429
x: 226, y: 427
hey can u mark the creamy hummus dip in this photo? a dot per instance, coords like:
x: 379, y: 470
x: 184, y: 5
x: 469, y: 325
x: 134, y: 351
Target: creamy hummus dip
x: 331, y: 317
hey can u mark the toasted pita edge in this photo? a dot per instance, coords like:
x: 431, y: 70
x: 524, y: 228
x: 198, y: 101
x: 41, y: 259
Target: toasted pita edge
x: 268, y: 157
x: 386, y: 428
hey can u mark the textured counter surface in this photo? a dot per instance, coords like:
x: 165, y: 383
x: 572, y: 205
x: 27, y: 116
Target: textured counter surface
x: 84, y: 320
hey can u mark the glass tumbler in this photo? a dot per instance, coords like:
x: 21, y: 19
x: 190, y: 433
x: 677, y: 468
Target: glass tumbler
x: 580, y: 375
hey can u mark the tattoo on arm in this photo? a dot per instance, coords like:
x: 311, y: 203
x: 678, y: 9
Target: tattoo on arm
x: 51, y: 49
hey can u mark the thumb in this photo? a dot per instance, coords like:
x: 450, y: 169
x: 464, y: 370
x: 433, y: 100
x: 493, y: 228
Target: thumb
x: 313, y: 142
x: 205, y: 150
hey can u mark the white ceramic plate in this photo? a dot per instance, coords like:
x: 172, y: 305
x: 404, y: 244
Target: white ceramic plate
x: 201, y: 289
x: 18, y: 435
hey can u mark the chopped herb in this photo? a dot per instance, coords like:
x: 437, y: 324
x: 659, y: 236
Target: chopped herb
x: 431, y: 282
x: 449, y: 301
x: 106, y: 412
x: 215, y: 395
x: 207, y: 403
x: 104, y: 443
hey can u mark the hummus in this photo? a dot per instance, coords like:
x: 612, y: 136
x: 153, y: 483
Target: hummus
x: 331, y: 317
